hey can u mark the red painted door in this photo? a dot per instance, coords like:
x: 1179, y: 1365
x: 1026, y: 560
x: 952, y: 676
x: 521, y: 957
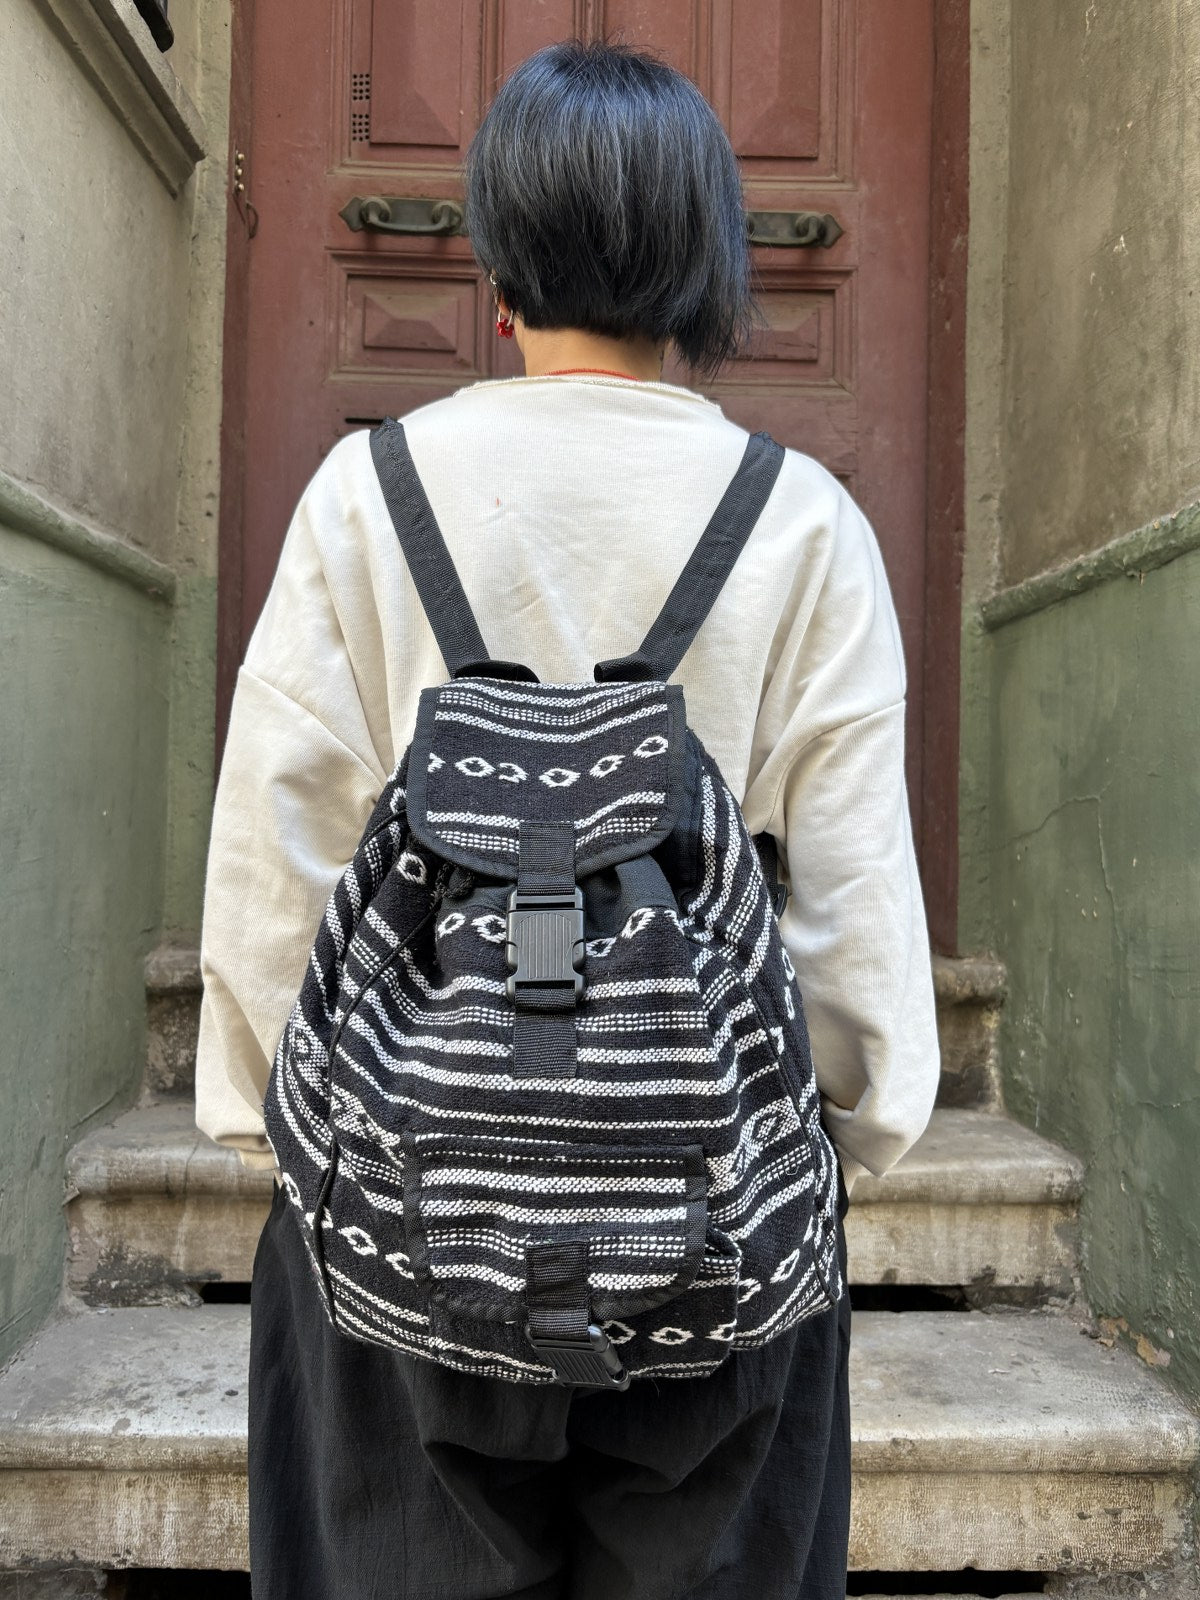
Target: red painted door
x: 828, y: 103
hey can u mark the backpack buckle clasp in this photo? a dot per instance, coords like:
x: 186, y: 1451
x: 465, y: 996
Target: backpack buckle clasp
x: 590, y: 1362
x: 544, y: 944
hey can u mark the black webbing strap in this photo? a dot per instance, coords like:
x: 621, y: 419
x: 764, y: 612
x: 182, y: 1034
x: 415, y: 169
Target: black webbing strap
x: 560, y: 1326
x: 768, y: 857
x: 543, y: 1038
x: 707, y: 568
x: 433, y: 571
x: 557, y: 1290
x: 545, y: 941
x: 546, y: 858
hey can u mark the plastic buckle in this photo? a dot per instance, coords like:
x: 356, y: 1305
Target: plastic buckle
x: 590, y: 1362
x: 545, y: 943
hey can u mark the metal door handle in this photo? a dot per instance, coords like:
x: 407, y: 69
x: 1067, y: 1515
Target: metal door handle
x: 798, y: 228
x: 400, y: 214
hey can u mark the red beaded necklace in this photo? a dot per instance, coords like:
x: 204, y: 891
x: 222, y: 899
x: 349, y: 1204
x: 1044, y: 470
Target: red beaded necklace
x: 604, y: 372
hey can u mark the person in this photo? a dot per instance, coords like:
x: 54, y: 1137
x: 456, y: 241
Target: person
x: 605, y: 211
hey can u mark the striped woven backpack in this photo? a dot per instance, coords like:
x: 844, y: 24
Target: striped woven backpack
x: 544, y: 1106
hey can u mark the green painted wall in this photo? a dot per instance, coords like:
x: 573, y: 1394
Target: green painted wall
x: 1094, y: 878
x: 83, y: 730
x: 1080, y: 744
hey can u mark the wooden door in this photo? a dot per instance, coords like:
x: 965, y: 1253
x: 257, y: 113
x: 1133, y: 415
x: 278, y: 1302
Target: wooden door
x: 828, y: 103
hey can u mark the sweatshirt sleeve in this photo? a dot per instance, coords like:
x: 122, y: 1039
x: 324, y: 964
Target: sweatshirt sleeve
x: 831, y: 741
x: 298, y: 779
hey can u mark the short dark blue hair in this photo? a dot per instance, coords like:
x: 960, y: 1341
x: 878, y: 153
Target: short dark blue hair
x: 603, y: 193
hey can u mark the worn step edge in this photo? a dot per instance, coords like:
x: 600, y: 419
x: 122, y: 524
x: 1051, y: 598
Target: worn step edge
x: 957, y: 980
x: 940, y: 1392
x: 973, y: 1157
x: 173, y: 969
x: 154, y: 1206
x: 130, y: 1390
x: 964, y: 1157
x: 979, y: 980
x: 1008, y: 1392
x: 978, y: 1202
x: 969, y: 991
x: 157, y: 1149
x: 122, y: 1440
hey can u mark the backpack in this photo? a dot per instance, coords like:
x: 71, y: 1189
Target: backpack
x: 545, y: 1105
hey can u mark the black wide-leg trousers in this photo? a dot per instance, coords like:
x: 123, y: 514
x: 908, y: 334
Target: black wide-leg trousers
x: 376, y: 1476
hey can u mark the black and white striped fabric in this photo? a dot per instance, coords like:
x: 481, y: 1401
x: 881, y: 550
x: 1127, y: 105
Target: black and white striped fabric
x: 658, y: 1174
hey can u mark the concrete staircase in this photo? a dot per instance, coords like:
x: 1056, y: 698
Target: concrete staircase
x: 990, y: 1432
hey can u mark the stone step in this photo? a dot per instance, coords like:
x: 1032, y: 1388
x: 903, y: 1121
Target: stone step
x: 173, y: 990
x: 154, y: 1207
x: 999, y: 1441
x: 979, y: 1201
x: 969, y: 991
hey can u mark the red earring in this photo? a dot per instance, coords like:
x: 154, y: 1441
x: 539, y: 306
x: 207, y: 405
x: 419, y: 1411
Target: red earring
x: 503, y: 329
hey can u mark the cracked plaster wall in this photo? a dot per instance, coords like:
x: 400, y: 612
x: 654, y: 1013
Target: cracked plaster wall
x: 1080, y: 776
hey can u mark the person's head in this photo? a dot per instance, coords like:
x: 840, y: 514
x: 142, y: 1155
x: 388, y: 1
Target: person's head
x: 603, y: 194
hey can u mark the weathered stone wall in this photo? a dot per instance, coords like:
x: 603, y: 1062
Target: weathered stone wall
x: 1102, y: 322
x: 1081, y: 758
x: 112, y: 192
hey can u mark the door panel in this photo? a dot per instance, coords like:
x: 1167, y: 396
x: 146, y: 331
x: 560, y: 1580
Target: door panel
x: 417, y: 64
x: 772, y: 83
x: 828, y: 103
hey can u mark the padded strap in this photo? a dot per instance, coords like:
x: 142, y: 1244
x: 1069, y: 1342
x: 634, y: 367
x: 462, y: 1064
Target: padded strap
x: 708, y: 566
x: 433, y: 571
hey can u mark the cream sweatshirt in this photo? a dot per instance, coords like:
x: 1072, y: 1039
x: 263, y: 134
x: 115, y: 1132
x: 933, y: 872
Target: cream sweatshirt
x: 569, y: 505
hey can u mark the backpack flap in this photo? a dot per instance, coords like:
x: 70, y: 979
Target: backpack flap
x: 487, y: 756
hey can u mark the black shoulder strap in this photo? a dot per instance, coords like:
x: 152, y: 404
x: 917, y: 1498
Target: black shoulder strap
x: 449, y: 611
x: 708, y: 566
x: 433, y: 571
